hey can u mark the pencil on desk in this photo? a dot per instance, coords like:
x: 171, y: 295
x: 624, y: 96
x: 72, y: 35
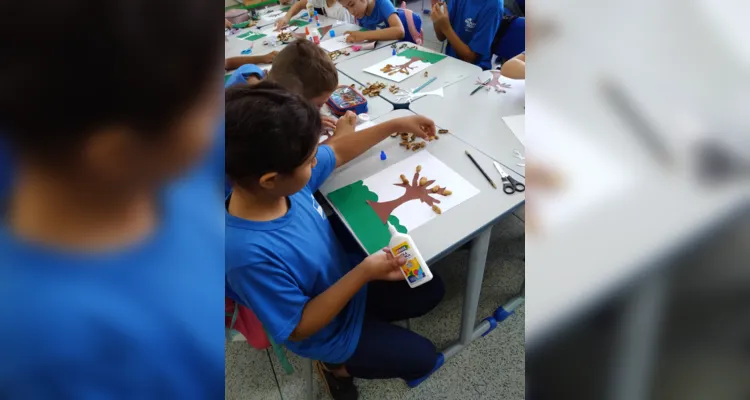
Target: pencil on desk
x: 480, y: 169
x: 480, y: 86
x: 422, y: 86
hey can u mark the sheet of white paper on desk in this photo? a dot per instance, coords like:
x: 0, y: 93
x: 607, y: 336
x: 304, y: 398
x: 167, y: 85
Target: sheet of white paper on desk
x: 517, y: 125
x: 589, y: 177
x: 414, y: 213
x: 333, y: 44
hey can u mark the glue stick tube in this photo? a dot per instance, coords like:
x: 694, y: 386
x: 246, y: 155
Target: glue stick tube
x: 415, y: 269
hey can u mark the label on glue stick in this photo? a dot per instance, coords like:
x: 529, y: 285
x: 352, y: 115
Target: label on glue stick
x: 412, y: 269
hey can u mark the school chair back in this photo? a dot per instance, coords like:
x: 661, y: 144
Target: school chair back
x: 412, y: 24
x: 240, y: 319
x: 510, y: 39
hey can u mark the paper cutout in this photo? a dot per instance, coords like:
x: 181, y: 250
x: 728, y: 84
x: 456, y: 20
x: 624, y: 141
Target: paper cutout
x: 494, y: 82
x: 251, y: 36
x: 405, y: 64
x: 298, y: 22
x: 324, y: 29
x: 366, y: 204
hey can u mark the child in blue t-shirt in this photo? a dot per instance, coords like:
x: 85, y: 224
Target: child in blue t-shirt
x: 283, y: 260
x: 245, y: 68
x: 470, y: 27
x: 110, y: 254
x: 383, y: 21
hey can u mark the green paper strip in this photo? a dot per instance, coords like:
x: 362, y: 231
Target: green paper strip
x: 351, y: 202
x: 426, y: 56
x: 298, y: 22
x: 251, y: 36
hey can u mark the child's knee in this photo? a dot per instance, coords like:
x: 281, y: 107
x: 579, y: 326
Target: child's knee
x: 423, y: 359
x: 434, y: 291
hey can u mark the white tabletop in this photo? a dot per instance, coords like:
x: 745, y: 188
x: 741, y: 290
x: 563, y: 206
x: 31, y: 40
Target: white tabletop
x: 478, y: 119
x: 458, y: 224
x: 448, y: 71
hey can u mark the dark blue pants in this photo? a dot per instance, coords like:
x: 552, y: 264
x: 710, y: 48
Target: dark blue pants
x: 389, y: 351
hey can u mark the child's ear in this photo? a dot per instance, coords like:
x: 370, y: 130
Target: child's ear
x: 268, y: 181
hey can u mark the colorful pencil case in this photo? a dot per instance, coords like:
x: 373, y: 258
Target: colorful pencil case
x: 346, y: 98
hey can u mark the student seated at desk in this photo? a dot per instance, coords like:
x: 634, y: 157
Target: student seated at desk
x: 283, y: 260
x: 245, y: 70
x: 331, y: 8
x: 383, y: 21
x: 470, y: 27
x: 515, y: 68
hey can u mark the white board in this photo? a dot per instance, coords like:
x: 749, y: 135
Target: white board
x: 414, y: 68
x: 414, y: 213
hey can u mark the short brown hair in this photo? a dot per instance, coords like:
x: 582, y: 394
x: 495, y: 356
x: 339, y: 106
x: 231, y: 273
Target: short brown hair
x: 304, y: 68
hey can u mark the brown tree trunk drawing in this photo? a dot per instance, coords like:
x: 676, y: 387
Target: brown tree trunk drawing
x: 494, y: 82
x: 414, y: 191
x: 403, y: 68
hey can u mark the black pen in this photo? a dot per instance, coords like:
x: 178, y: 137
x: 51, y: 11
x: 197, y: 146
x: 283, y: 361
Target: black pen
x: 480, y: 169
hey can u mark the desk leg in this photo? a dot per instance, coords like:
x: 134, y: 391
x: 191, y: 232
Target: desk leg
x: 477, y: 261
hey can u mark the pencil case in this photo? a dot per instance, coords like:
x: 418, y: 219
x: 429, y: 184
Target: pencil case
x: 346, y: 98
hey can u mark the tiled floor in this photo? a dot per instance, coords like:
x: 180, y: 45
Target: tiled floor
x: 490, y: 368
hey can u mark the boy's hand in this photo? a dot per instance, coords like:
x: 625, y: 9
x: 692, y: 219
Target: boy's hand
x: 268, y: 58
x: 417, y: 124
x: 382, y: 266
x: 354, y: 36
x: 345, y: 125
x: 439, y: 18
x: 282, y: 23
x: 328, y: 123
x: 227, y: 24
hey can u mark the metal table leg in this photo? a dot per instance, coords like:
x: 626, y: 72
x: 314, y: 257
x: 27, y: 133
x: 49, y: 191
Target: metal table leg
x: 307, y: 371
x: 477, y: 261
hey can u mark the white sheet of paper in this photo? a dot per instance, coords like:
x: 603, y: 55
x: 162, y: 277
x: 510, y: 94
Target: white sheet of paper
x: 517, y: 125
x: 413, y: 214
x: 414, y: 68
x: 333, y: 44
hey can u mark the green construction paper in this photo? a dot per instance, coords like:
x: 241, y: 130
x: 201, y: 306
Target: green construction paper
x: 351, y: 203
x: 251, y: 36
x: 426, y: 56
x: 251, y: 6
x: 298, y: 22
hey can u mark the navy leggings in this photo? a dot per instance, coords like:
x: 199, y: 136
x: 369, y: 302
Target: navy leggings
x: 389, y: 351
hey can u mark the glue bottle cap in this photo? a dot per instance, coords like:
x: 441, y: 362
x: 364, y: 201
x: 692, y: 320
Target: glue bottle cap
x: 382, y: 155
x: 307, y: 31
x: 333, y: 34
x: 316, y: 12
x: 393, y: 52
x: 392, y: 229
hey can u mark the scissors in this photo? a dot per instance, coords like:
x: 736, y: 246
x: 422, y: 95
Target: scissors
x: 510, y: 185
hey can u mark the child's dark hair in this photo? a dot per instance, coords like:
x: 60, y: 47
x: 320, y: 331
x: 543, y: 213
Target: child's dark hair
x: 71, y: 67
x: 304, y: 68
x: 268, y: 129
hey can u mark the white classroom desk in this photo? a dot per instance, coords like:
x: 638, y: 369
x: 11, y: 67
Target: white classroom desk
x: 471, y: 221
x: 478, y: 119
x: 448, y: 71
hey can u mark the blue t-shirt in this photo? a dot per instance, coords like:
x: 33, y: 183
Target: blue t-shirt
x: 142, y: 322
x: 276, y: 267
x: 476, y: 23
x: 241, y: 74
x: 379, y: 16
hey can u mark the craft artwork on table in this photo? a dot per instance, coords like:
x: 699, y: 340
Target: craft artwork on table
x: 404, y: 64
x: 494, y: 83
x: 407, y: 194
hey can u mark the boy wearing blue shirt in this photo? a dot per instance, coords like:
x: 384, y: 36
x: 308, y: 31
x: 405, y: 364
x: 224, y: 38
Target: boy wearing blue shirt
x: 283, y: 260
x: 245, y: 70
x: 110, y: 255
x: 379, y: 16
x: 470, y: 27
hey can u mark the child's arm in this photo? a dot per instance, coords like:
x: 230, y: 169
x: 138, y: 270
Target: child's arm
x: 394, y: 31
x: 437, y: 11
x: 322, y: 309
x: 442, y: 24
x: 294, y: 10
x: 236, y: 62
x: 515, y: 68
x: 349, y: 146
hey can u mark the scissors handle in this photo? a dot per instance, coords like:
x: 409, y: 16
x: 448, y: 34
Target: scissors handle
x: 517, y: 186
x: 508, y: 188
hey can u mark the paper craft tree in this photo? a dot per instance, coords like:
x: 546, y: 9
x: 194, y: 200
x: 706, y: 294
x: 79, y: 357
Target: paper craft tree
x: 324, y: 29
x: 403, y: 68
x: 494, y: 82
x: 417, y: 190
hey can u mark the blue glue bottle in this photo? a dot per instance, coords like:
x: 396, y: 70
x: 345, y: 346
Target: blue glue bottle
x: 393, y: 53
x: 382, y: 155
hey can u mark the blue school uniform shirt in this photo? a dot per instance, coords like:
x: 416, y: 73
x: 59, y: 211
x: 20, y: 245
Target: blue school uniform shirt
x: 142, y: 322
x: 276, y: 267
x: 476, y: 23
x: 379, y: 16
x: 241, y: 74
